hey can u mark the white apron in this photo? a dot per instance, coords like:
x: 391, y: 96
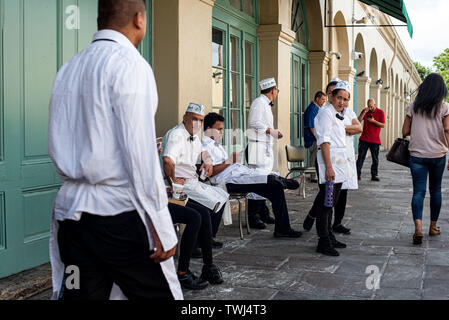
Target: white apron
x: 339, y: 164
x: 205, y: 194
x: 352, y: 183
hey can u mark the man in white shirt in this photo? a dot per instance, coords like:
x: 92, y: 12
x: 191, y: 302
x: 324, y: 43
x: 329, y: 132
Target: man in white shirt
x: 260, y: 155
x: 110, y: 217
x: 332, y: 165
x: 181, y: 152
x: 241, y: 179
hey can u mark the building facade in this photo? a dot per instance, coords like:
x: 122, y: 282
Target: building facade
x: 204, y: 51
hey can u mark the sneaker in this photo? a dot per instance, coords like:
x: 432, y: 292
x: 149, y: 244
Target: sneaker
x: 291, y: 234
x: 217, y: 244
x: 197, y: 253
x: 211, y: 274
x: 308, y: 222
x: 375, y: 178
x: 341, y: 229
x: 192, y: 282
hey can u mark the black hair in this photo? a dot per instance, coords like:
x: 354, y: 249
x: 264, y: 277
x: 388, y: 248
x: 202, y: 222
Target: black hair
x: 118, y: 13
x: 332, y: 83
x: 431, y: 94
x: 318, y: 95
x: 211, y: 119
x: 336, y: 91
x: 266, y: 91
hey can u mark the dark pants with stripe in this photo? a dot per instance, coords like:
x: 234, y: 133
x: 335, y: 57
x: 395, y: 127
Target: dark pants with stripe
x: 109, y: 250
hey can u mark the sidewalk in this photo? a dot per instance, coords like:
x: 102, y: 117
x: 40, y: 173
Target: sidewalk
x: 379, y: 214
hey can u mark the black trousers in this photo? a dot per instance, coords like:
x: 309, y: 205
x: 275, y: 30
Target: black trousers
x: 273, y: 190
x: 340, y: 207
x: 363, y: 149
x: 198, y: 228
x: 111, y: 250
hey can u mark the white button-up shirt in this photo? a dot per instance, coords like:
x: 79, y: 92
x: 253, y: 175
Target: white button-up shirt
x: 102, y: 140
x: 260, y: 118
x: 330, y: 129
x: 235, y: 173
x: 184, y: 150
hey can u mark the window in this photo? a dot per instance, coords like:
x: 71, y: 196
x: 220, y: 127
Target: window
x: 299, y: 22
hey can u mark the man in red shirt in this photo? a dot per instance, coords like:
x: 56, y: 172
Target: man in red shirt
x: 374, y: 121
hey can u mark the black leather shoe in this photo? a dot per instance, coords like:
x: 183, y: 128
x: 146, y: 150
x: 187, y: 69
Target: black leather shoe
x: 341, y: 229
x: 211, y: 274
x: 308, y: 223
x: 359, y: 178
x: 197, y: 253
x: 192, y: 282
x: 256, y: 223
x: 375, y: 179
x: 217, y: 244
x: 291, y: 184
x: 335, y: 243
x: 325, y: 247
x: 291, y: 234
x: 267, y: 219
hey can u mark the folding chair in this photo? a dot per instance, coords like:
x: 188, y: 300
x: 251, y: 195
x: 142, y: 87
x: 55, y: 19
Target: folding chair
x: 295, y: 155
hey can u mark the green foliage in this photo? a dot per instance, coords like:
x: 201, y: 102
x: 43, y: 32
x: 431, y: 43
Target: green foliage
x: 422, y: 70
x: 441, y: 64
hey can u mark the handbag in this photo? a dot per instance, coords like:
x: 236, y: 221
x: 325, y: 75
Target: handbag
x: 399, y: 152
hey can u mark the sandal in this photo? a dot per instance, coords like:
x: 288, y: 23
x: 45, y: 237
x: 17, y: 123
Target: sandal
x: 434, y: 231
x: 417, y: 238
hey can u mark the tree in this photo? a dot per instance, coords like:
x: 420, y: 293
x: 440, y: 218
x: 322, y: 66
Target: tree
x: 441, y: 64
x: 422, y: 70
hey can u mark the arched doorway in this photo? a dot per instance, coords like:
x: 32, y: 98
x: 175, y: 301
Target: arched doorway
x: 383, y: 101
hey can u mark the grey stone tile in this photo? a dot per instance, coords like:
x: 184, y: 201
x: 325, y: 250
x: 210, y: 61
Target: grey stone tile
x: 397, y: 294
x: 436, y: 272
x: 406, y: 259
x: 297, y: 264
x: 332, y: 285
x: 402, y: 276
x: 437, y: 257
x: 289, y: 295
x: 224, y: 292
x: 272, y: 262
x: 436, y: 289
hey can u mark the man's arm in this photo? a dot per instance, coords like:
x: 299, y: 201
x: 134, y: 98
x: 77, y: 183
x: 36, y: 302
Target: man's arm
x: 377, y: 123
x: 362, y: 115
x: 326, y: 151
x: 313, y: 130
x: 354, y: 128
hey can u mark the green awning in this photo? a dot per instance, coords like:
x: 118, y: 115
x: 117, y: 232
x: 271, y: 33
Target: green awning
x: 394, y: 8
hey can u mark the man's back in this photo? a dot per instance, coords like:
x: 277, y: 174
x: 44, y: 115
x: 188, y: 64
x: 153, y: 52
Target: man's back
x: 101, y: 125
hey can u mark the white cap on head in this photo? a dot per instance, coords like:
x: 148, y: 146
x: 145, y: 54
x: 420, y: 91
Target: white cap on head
x: 343, y: 85
x: 267, y: 83
x: 196, y: 108
x: 335, y: 80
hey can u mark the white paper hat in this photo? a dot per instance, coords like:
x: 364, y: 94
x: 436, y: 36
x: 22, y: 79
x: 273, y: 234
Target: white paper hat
x: 335, y: 80
x: 343, y: 85
x: 196, y: 108
x: 267, y: 83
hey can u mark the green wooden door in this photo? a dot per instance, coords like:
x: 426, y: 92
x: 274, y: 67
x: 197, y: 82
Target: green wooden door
x: 36, y: 38
x: 234, y: 67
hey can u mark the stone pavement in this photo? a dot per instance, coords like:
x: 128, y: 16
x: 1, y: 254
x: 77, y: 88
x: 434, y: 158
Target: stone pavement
x: 379, y: 214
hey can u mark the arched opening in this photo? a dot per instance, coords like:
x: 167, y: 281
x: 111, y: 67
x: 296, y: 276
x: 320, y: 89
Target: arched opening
x: 341, y: 44
x: 361, y: 76
x: 373, y: 73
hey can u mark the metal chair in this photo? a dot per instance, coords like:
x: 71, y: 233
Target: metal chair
x: 295, y: 155
x: 241, y: 196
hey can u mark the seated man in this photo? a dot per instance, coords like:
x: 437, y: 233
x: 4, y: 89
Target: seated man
x: 181, y: 150
x: 239, y: 178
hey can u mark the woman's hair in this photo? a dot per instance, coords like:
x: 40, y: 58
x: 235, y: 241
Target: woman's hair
x: 431, y: 94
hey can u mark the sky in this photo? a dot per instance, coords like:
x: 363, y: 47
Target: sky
x: 430, y: 20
